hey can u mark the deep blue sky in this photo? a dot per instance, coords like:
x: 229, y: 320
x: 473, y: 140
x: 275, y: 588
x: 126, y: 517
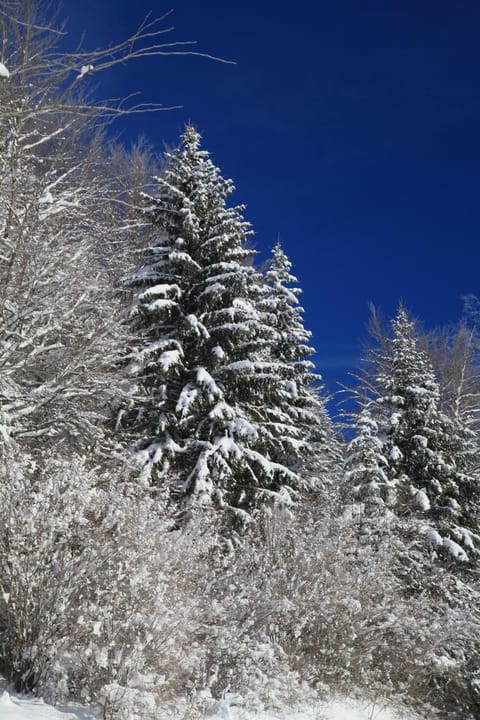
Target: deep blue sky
x: 350, y: 128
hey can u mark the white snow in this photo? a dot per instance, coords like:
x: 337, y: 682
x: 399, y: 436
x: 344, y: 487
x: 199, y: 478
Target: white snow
x: 185, y: 259
x: 14, y: 707
x: 169, y: 359
x: 291, y: 387
x: 3, y: 71
x: 465, y: 536
x: 453, y: 504
x: 422, y: 501
x: 47, y: 198
x: 218, y: 352
x: 221, y: 411
x: 454, y: 549
x: 443, y: 662
x: 241, y: 366
x: 197, y: 326
x: 85, y: 69
x: 421, y: 440
x: 228, y: 448
x: 433, y: 537
x: 162, y: 290
x: 344, y: 709
x: 160, y: 304
x: 187, y: 398
x: 207, y: 382
x: 244, y: 429
x: 395, y: 453
x: 214, y: 289
x: 336, y: 709
x: 395, y: 419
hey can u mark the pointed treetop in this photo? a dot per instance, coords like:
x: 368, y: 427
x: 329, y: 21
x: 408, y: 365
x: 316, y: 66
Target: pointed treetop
x: 278, y: 245
x: 401, y: 323
x: 191, y: 138
x: 279, y: 269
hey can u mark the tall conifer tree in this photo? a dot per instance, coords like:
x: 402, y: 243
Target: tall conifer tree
x: 206, y: 376
x: 299, y: 411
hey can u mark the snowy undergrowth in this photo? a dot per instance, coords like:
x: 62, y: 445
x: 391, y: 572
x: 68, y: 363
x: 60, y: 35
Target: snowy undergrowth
x: 104, y: 603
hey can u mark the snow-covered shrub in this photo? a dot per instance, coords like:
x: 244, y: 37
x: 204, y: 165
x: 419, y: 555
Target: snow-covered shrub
x: 339, y: 616
x: 46, y: 557
x: 242, y: 658
x: 82, y: 607
x: 102, y: 600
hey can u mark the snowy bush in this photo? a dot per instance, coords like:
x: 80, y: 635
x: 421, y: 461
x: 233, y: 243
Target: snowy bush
x: 102, y: 601
x: 339, y: 616
x: 82, y: 587
x: 46, y: 558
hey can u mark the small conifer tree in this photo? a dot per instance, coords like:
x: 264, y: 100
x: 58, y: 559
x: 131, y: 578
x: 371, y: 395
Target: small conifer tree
x: 425, y: 452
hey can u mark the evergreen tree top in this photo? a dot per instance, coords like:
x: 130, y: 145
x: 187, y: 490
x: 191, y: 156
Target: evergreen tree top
x: 191, y: 138
x: 408, y: 369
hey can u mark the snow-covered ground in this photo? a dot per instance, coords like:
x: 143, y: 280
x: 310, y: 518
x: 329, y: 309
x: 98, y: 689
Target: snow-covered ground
x: 336, y: 709
x: 14, y: 707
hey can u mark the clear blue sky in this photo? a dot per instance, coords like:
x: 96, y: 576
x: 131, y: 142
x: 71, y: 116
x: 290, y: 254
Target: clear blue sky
x: 351, y: 129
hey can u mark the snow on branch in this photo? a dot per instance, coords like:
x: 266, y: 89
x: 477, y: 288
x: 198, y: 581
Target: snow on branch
x: 143, y: 43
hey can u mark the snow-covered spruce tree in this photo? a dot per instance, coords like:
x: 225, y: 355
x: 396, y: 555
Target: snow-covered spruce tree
x: 299, y: 409
x: 368, y: 488
x: 427, y: 452
x: 207, y: 381
x: 291, y: 343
